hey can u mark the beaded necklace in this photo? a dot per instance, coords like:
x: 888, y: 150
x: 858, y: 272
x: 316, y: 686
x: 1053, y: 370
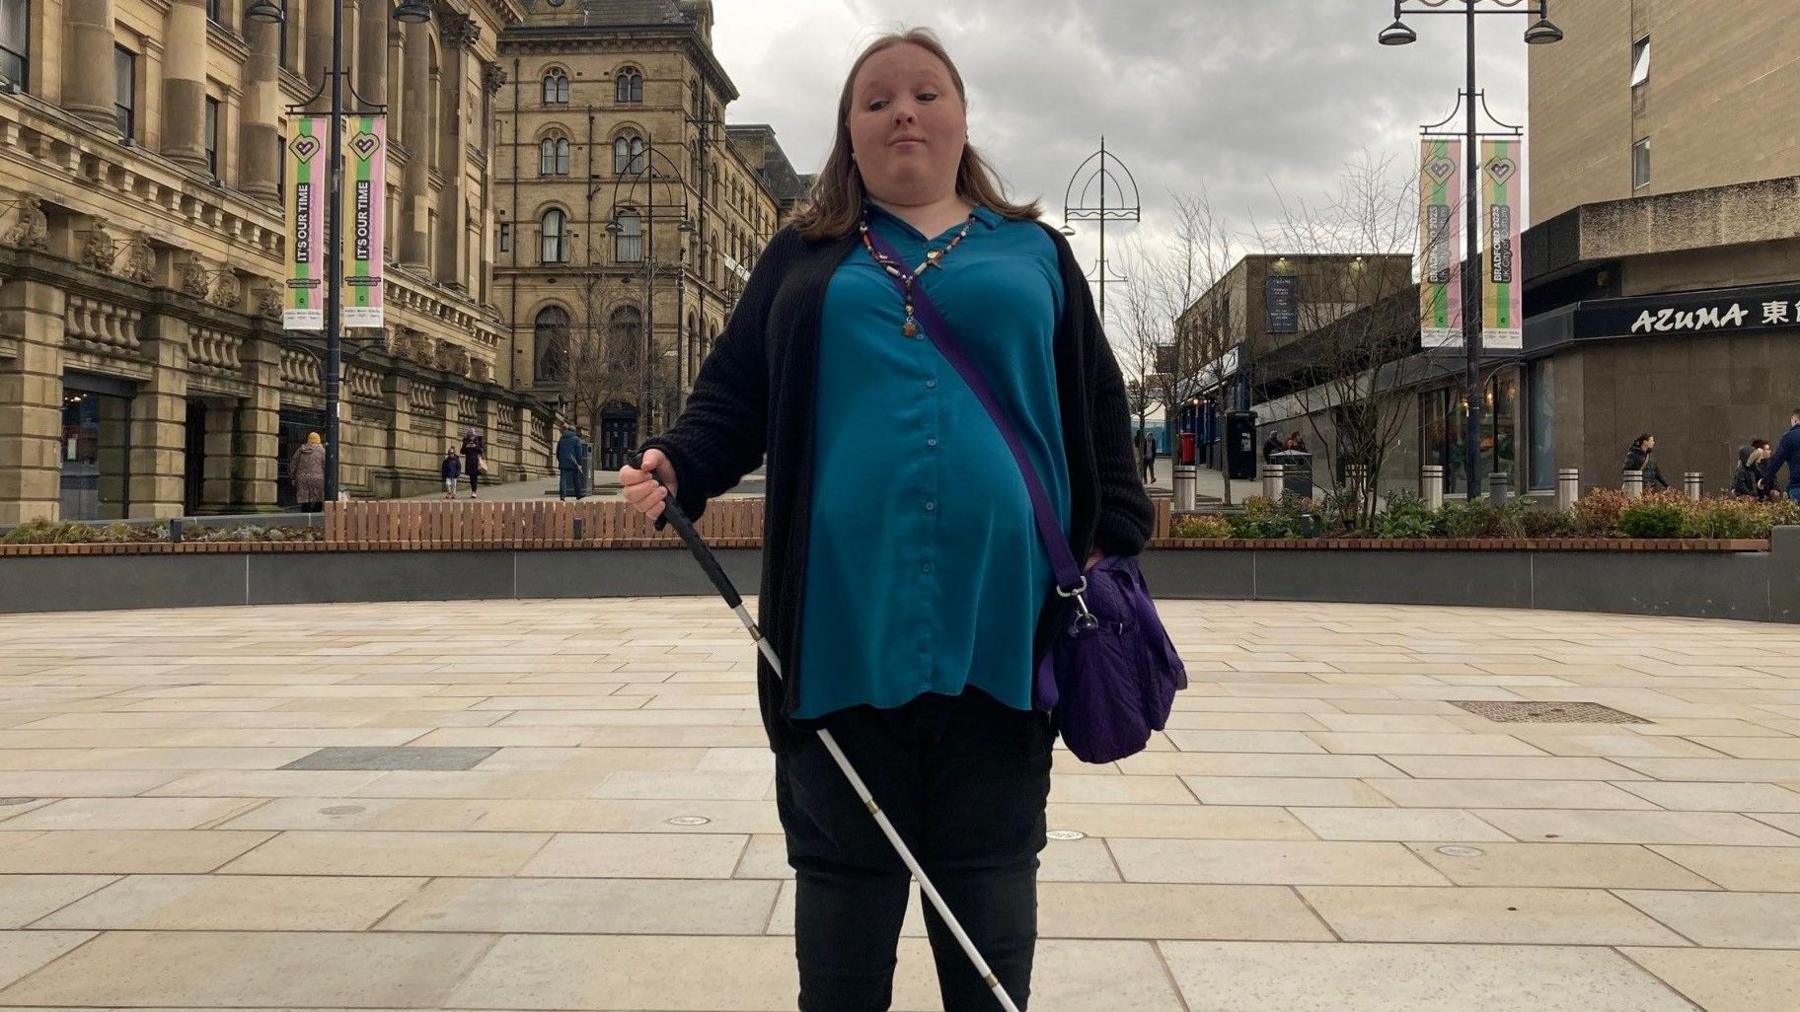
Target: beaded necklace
x: 933, y: 258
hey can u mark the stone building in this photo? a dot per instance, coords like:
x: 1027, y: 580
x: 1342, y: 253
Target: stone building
x: 143, y: 367
x: 628, y: 212
x: 1663, y: 266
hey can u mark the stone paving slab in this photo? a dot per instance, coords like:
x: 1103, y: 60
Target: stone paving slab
x: 1318, y: 829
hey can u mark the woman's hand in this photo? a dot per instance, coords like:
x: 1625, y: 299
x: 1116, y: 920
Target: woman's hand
x: 643, y: 493
x: 1094, y: 556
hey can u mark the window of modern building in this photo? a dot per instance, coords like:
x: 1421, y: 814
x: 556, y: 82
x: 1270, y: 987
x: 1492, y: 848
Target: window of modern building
x: 629, y: 248
x: 504, y: 240
x: 556, y: 88
x: 1540, y: 423
x: 629, y: 155
x: 628, y: 86
x: 15, y: 42
x: 551, y: 341
x: 125, y: 90
x: 211, y: 136
x: 1640, y: 61
x: 553, y: 156
x: 552, y: 246
x: 1640, y: 164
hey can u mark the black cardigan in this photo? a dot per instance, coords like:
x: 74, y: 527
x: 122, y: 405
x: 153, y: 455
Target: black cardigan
x: 755, y: 395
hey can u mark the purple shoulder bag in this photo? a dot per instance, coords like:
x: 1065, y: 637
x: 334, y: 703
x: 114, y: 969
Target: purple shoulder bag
x: 1110, y: 676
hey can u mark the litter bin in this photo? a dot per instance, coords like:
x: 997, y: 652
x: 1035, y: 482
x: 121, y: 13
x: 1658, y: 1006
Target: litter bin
x: 1297, y: 472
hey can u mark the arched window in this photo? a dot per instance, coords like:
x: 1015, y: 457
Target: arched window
x: 551, y: 333
x: 626, y: 334
x: 553, y: 156
x: 553, y: 245
x: 629, y: 248
x: 628, y: 155
x: 556, y: 88
x: 628, y: 86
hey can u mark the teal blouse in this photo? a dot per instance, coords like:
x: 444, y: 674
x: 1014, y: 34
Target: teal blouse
x: 924, y: 571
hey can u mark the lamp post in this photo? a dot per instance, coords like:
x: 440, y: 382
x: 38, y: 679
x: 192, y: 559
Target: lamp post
x: 409, y: 11
x: 646, y: 171
x: 1540, y: 32
x: 1126, y: 207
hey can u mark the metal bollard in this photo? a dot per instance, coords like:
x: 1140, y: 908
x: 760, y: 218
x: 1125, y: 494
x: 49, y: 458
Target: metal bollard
x: 1499, y: 487
x: 578, y: 528
x: 1634, y: 484
x: 1184, y: 479
x: 1568, y: 487
x: 1431, y: 486
x: 1272, y: 475
x: 175, y: 530
x: 1690, y: 481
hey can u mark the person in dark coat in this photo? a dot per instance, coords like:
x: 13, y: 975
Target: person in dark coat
x: 568, y: 465
x: 474, y: 451
x: 308, y: 470
x: 1746, y: 480
x: 1146, y: 444
x: 1786, y: 452
x: 450, y: 469
x: 1638, y: 459
x: 918, y: 506
x: 1271, y: 446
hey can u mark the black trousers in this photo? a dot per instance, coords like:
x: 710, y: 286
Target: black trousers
x: 964, y: 780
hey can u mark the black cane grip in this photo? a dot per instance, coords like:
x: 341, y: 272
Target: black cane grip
x: 709, y: 563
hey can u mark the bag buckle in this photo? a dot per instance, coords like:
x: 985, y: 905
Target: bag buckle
x: 1085, y: 620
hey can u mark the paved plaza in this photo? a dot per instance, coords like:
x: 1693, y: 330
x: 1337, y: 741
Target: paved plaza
x: 568, y: 805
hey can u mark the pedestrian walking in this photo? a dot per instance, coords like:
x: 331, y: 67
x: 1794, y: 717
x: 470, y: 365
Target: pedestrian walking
x: 1147, y: 450
x: 927, y: 595
x: 1786, y: 452
x: 308, y: 470
x: 474, y: 452
x: 1637, y: 458
x: 450, y: 469
x: 1271, y: 446
x: 568, y: 465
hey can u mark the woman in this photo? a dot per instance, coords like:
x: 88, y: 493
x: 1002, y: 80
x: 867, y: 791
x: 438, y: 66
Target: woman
x: 474, y: 451
x: 1638, y: 459
x: 308, y: 470
x: 1746, y: 481
x: 896, y: 516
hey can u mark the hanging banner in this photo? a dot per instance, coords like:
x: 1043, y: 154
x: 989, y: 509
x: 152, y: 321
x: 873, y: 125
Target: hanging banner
x: 363, y: 215
x: 1502, y: 303
x: 1440, y: 248
x: 305, y: 168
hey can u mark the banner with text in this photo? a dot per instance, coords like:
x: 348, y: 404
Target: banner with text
x: 1502, y: 305
x: 363, y: 215
x: 1440, y: 248
x: 304, y: 308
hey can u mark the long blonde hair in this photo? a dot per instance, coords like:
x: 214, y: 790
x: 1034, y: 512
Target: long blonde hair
x: 835, y: 203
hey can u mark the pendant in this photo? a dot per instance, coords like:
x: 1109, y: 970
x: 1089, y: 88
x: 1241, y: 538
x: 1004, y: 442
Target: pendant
x: 931, y: 260
x: 909, y: 328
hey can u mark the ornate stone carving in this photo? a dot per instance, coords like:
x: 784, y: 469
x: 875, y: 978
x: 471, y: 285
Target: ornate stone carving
x: 457, y: 30
x: 481, y: 370
x: 452, y: 358
x: 193, y: 278
x: 493, y: 78
x: 227, y: 291
x: 32, y: 230
x: 97, y: 249
x: 137, y: 261
x: 268, y: 301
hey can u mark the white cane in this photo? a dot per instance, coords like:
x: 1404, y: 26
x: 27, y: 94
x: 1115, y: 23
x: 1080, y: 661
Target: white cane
x: 710, y: 564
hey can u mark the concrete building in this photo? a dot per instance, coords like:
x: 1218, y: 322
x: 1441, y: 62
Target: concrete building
x: 629, y: 213
x: 1663, y: 267
x: 143, y: 367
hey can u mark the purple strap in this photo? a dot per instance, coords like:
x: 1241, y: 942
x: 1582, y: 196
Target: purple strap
x: 1062, y: 560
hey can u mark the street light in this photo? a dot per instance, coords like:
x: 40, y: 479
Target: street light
x: 411, y: 12
x: 1126, y: 207
x: 1540, y: 32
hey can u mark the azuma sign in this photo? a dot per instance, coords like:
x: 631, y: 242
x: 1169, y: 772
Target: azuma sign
x: 1719, y: 311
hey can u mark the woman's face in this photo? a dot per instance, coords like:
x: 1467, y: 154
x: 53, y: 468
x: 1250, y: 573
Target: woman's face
x: 907, y: 126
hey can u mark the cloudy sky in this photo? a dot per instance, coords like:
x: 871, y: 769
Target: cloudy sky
x: 1238, y: 97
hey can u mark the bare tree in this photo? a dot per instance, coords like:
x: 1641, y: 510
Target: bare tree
x: 1200, y: 254
x: 1141, y: 329
x: 600, y: 353
x: 1361, y: 315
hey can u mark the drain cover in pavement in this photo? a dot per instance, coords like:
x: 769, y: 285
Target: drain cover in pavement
x: 391, y: 758
x: 1509, y: 712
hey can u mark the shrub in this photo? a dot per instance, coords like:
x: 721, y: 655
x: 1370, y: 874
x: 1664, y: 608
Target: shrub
x: 1482, y: 518
x: 1597, y: 513
x: 1407, y: 517
x: 1724, y: 518
x: 1200, y: 526
x: 1654, y: 515
x: 253, y: 532
x: 1287, y: 517
x: 1549, y: 523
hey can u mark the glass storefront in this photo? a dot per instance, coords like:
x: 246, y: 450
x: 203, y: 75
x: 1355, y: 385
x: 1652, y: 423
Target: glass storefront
x: 1540, y: 388
x: 96, y: 452
x: 1443, y: 423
